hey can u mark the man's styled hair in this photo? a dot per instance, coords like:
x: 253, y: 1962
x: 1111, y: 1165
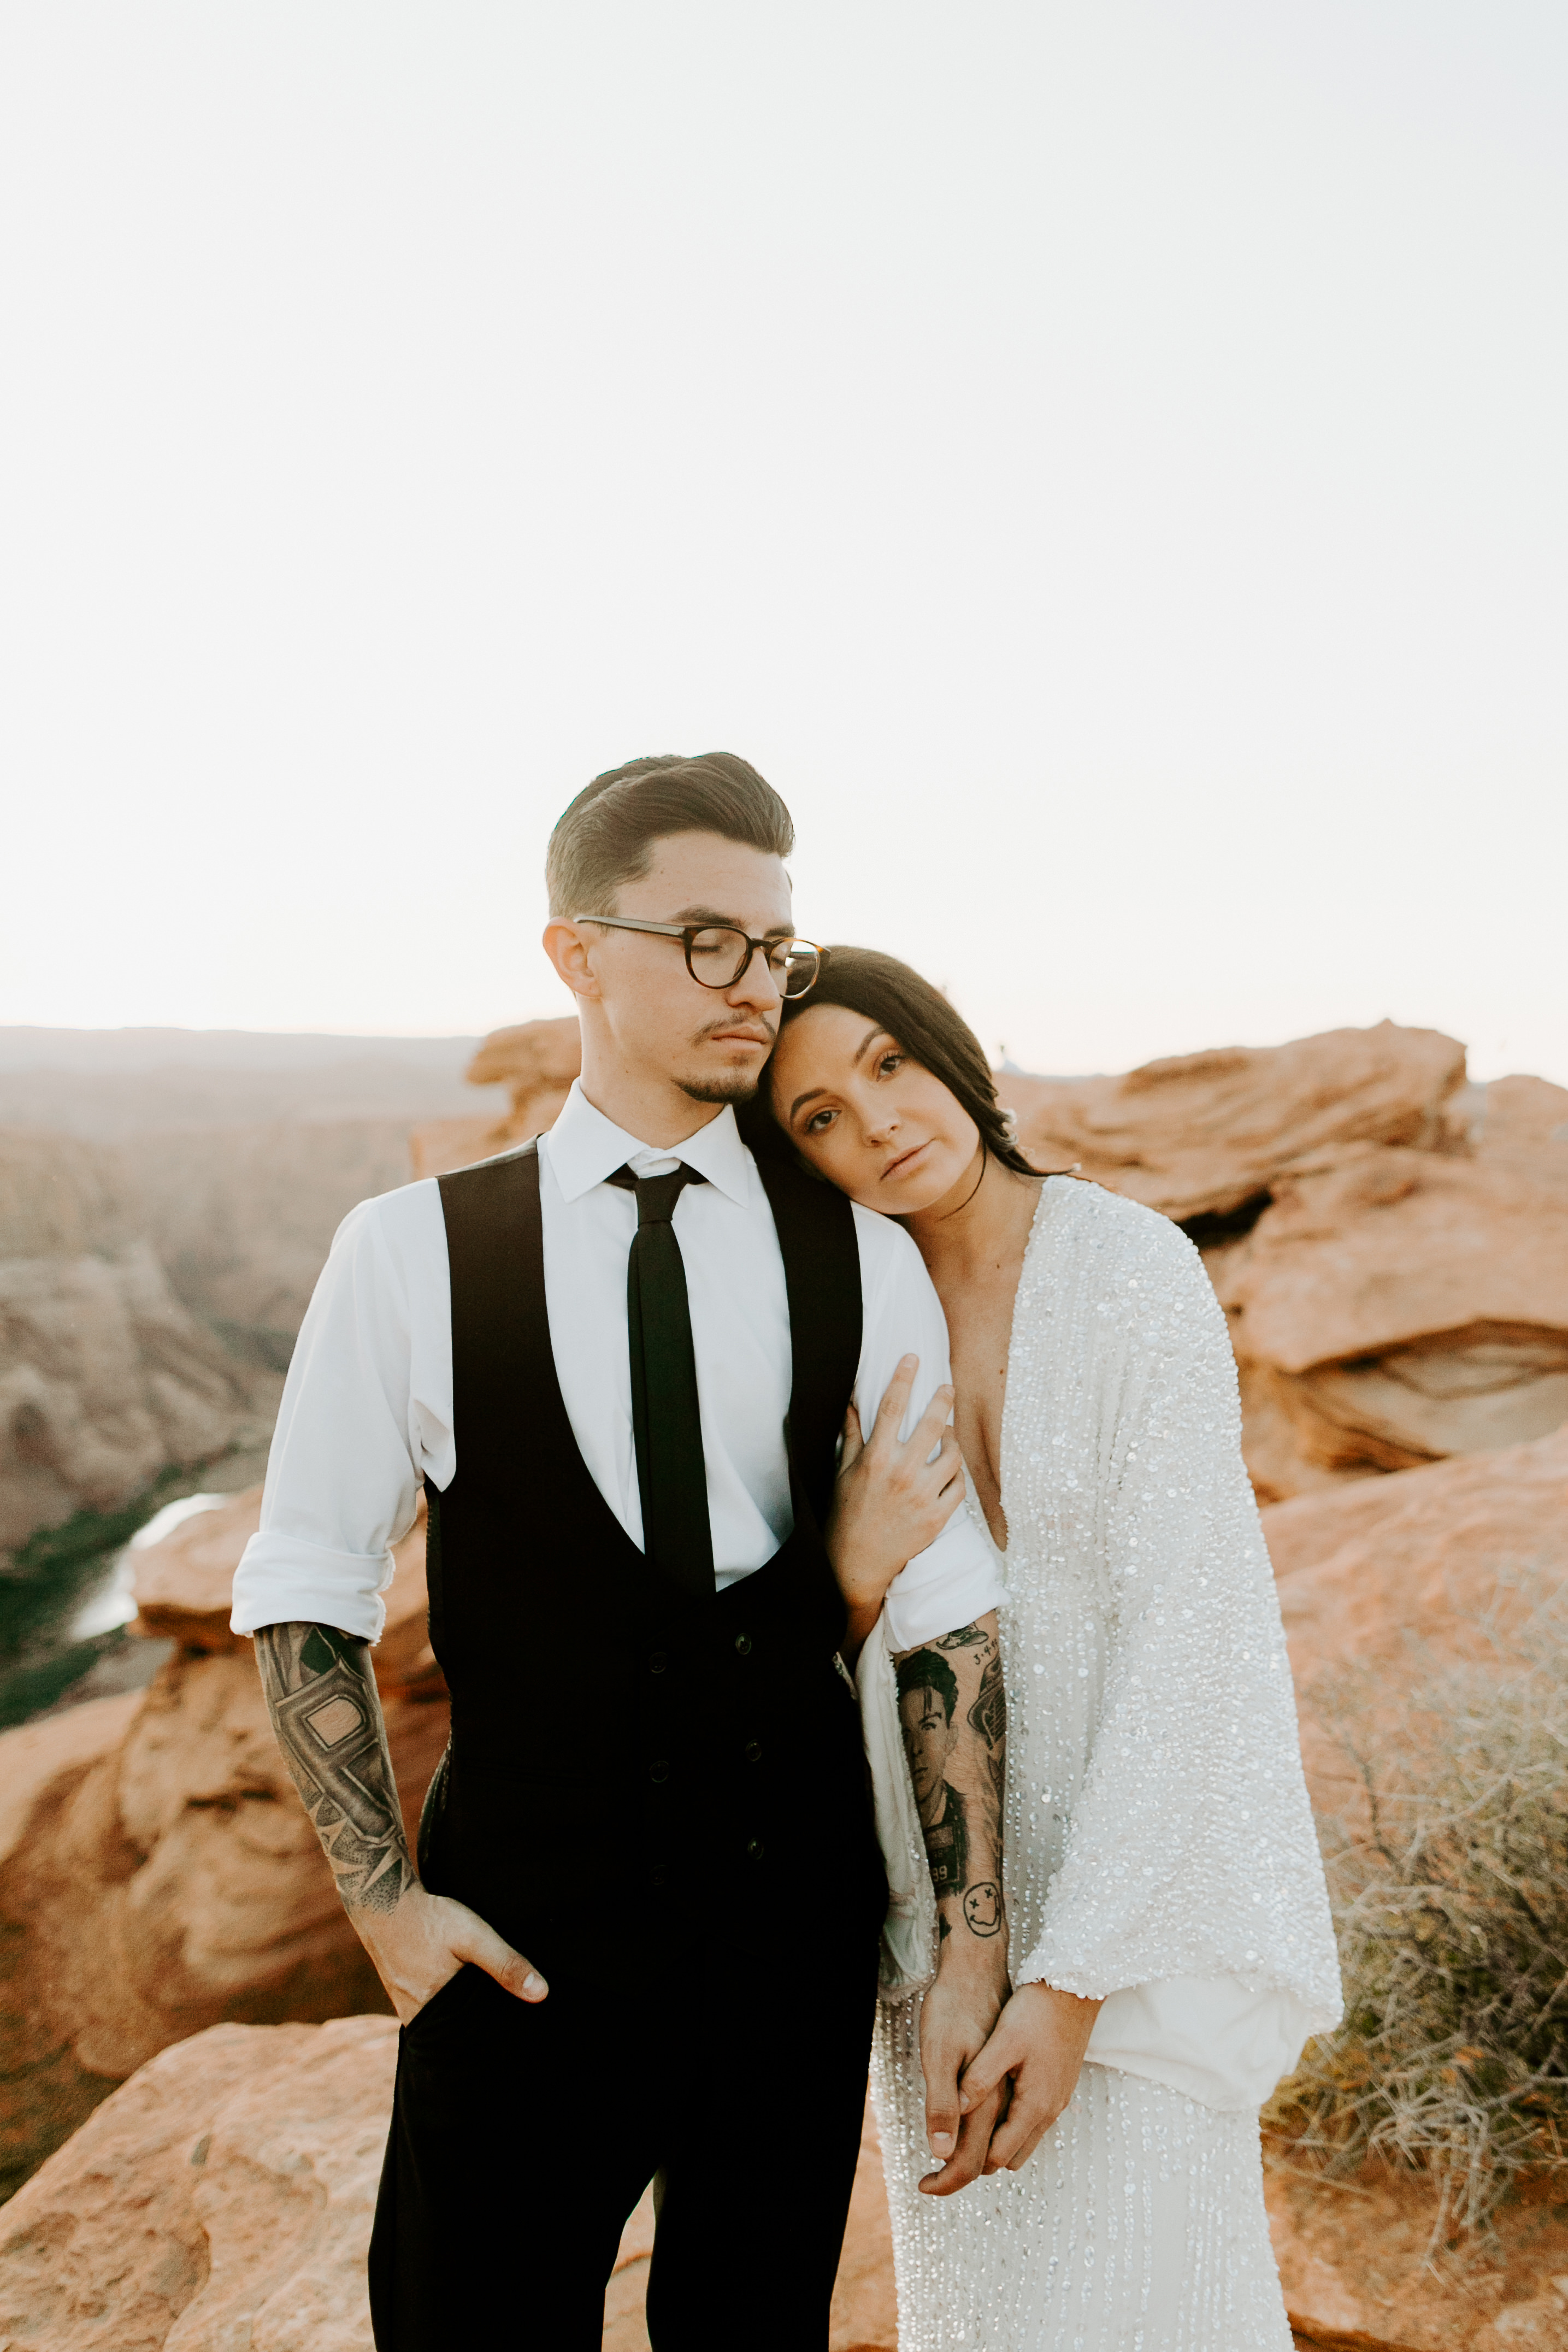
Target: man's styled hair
x: 607, y: 834
x: 923, y: 1670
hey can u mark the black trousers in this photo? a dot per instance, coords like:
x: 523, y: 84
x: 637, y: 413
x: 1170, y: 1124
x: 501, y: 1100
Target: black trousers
x: 523, y: 2135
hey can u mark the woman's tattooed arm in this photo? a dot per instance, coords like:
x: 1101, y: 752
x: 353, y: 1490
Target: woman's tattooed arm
x: 325, y: 1709
x: 954, y: 1712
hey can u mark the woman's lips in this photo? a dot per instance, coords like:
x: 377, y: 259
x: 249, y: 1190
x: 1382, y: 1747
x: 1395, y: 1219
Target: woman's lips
x: 904, y: 1160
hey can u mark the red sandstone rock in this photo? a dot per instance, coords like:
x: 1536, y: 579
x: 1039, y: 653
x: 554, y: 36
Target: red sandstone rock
x: 538, y: 1061
x: 1383, y: 1574
x: 535, y: 1058
x: 1352, y: 2261
x: 1362, y: 1568
x: 1201, y: 1134
x: 1363, y: 1249
x: 224, y: 2198
x: 1393, y: 1306
x: 183, y: 1587
x: 1522, y: 1118
x: 158, y: 1873
x: 1381, y: 1581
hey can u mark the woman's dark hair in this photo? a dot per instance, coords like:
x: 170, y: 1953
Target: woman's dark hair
x: 909, y: 1008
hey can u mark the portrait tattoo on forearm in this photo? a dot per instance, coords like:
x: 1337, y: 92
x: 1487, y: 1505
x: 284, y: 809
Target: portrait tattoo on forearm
x: 322, y: 1695
x: 958, y: 1761
x: 988, y: 1718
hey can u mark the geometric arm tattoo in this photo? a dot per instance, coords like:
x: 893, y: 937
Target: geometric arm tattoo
x: 325, y: 1709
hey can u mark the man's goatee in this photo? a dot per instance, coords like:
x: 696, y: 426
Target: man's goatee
x: 738, y: 1088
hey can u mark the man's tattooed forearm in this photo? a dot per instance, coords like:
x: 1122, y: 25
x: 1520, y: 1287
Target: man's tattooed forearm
x: 968, y: 1637
x: 982, y: 1908
x: 947, y: 1844
x: 988, y: 1717
x: 953, y: 1710
x: 322, y: 1694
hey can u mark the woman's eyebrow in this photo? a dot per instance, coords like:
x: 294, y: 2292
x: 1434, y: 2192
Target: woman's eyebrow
x: 812, y: 1092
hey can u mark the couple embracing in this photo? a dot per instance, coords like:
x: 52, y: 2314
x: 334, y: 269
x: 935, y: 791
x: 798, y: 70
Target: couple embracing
x: 777, y: 1741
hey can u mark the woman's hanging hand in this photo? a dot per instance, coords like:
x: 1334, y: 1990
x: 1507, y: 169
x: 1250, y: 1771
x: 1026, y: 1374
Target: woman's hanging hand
x: 1037, y: 2050
x: 892, y: 1496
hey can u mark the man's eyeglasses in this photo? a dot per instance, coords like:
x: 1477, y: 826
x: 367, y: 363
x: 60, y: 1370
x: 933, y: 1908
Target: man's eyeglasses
x: 718, y: 955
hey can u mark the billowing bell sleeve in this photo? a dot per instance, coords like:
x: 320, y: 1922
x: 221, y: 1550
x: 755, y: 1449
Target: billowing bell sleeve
x: 1191, y: 1854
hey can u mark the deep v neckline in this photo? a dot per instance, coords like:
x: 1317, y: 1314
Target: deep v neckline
x: 972, y: 1502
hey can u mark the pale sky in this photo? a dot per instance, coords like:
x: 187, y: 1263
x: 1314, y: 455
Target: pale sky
x: 1105, y: 464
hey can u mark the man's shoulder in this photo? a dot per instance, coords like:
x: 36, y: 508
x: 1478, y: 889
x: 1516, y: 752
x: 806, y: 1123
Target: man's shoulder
x: 478, y: 1171
x: 404, y: 1221
x: 887, y: 1252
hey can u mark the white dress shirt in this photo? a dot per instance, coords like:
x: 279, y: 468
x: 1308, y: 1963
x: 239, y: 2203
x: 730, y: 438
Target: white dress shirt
x: 367, y: 1410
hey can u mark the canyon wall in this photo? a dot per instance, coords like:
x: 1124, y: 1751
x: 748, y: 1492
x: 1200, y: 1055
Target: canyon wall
x: 106, y: 1376
x: 157, y: 1871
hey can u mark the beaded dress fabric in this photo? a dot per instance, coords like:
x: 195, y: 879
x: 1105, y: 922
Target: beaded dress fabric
x: 1156, y: 1824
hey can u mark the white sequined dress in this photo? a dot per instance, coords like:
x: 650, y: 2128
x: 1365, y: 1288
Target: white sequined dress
x: 1157, y: 1829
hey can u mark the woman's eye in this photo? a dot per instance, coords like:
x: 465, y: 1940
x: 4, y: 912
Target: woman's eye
x: 817, y: 1124
x: 889, y: 1064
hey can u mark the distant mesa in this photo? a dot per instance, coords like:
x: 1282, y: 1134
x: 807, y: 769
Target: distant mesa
x: 536, y: 1062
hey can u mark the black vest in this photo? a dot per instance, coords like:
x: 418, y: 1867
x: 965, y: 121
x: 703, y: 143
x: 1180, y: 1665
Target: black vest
x: 628, y: 1766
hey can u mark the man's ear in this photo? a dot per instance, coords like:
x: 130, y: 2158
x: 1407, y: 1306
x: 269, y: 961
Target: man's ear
x: 568, y: 946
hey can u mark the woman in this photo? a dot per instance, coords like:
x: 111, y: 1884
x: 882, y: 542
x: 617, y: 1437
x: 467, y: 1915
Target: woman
x: 1169, y: 1931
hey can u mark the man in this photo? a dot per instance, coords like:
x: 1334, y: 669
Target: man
x: 641, y: 1938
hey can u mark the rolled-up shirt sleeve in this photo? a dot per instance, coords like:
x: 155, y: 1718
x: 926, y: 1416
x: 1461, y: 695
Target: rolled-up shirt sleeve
x: 365, y: 1415
x: 956, y: 1579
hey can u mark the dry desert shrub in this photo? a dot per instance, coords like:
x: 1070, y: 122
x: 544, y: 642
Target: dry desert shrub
x: 1450, y: 1895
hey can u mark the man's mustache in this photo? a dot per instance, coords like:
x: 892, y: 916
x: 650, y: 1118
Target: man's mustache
x: 753, y: 1027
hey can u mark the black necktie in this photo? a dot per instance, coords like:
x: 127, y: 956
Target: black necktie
x: 667, y: 1424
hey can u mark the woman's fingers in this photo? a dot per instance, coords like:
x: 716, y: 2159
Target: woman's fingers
x: 854, y: 1440
x: 949, y: 1467
x: 1029, y: 2119
x: 1000, y: 2054
x: 895, y: 1404
x: 932, y: 1429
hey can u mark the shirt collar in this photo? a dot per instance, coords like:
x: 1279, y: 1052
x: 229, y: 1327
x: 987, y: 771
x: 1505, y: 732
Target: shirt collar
x: 585, y: 1147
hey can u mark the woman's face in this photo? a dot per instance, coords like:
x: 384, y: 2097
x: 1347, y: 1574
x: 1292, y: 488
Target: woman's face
x: 874, y: 1123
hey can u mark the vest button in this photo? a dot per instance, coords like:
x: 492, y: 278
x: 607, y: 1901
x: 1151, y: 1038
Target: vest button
x: 753, y: 1752
x: 660, y: 1771
x: 743, y: 1644
x: 754, y: 1848
x: 657, y: 1663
